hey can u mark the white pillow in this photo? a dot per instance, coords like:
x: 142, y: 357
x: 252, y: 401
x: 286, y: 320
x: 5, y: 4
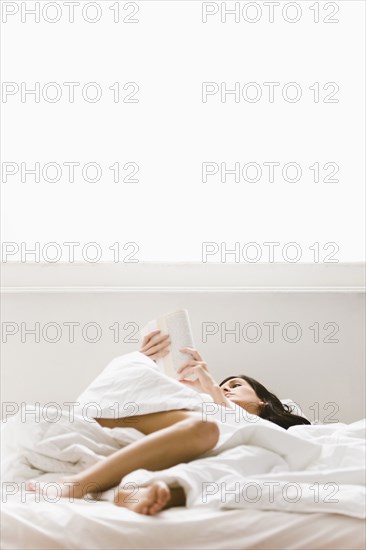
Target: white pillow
x: 296, y: 409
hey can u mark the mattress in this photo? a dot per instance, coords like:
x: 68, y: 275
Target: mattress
x: 102, y: 525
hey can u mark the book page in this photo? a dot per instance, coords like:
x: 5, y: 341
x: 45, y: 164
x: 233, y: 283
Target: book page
x: 178, y: 326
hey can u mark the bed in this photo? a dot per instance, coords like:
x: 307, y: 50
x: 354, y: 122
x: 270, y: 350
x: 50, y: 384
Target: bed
x: 322, y: 294
x: 102, y: 525
x: 34, y: 446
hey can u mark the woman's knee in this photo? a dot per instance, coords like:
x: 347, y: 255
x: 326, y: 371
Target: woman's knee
x: 205, y: 433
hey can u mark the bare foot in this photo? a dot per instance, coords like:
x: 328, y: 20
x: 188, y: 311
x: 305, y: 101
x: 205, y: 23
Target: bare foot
x: 145, y: 500
x: 62, y: 488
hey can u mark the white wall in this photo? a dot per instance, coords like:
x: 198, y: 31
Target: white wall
x: 170, y: 52
x: 306, y: 371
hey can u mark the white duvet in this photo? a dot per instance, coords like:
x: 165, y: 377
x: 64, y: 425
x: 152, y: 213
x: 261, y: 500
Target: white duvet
x: 255, y: 464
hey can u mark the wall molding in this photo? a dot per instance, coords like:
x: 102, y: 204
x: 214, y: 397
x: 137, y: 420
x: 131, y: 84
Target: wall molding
x: 17, y: 277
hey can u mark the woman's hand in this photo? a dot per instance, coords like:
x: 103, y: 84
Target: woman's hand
x: 155, y: 346
x: 196, y: 366
x: 204, y: 381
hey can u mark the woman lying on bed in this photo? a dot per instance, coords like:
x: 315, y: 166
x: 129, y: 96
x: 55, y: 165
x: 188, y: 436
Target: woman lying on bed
x: 172, y: 437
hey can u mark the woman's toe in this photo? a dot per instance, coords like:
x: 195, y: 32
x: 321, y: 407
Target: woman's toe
x: 163, y: 493
x: 31, y: 485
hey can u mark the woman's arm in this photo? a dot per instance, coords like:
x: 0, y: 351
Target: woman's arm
x: 155, y: 346
x: 204, y: 381
x: 218, y: 396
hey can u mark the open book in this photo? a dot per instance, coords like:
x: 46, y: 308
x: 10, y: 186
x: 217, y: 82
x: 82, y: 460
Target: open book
x: 178, y: 326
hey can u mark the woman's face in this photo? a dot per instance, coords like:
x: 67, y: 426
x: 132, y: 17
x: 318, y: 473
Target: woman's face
x: 242, y: 393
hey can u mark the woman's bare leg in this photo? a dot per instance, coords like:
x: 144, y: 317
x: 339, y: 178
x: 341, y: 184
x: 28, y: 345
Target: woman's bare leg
x: 181, y: 440
x: 148, y: 423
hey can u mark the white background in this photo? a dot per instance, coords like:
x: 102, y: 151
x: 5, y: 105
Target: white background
x: 170, y: 131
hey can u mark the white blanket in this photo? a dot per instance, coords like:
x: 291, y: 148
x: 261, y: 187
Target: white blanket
x: 132, y: 385
x: 255, y: 477
x: 249, y: 449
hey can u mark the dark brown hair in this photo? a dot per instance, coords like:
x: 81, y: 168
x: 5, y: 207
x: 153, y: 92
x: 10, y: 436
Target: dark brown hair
x: 273, y: 410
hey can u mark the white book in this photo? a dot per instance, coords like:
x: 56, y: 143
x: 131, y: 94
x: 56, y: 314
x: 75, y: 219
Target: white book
x: 178, y: 326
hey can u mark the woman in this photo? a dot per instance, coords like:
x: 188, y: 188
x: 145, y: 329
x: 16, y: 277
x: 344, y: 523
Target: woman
x: 172, y: 437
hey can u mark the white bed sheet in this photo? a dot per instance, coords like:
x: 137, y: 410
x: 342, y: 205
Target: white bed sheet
x: 101, y: 526
x: 33, y: 448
